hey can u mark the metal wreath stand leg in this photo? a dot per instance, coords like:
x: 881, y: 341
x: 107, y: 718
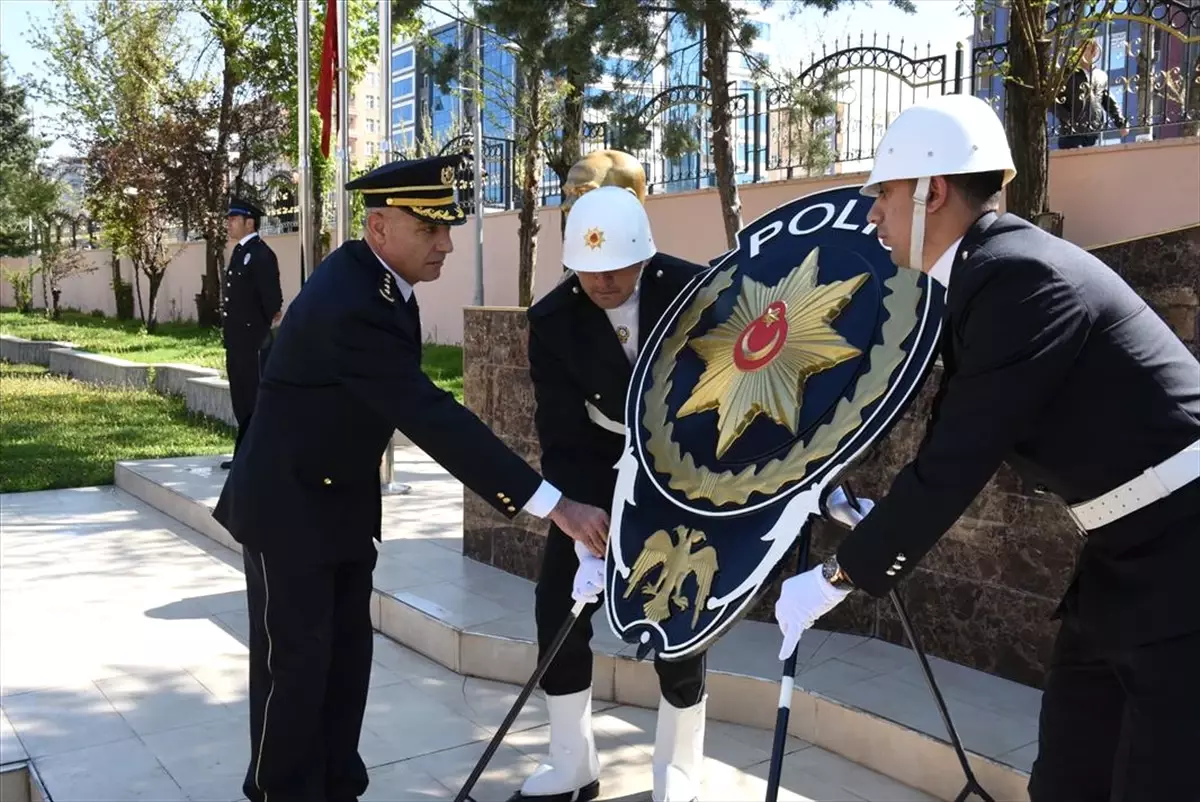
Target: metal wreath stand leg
x: 971, y: 786
x: 522, y: 697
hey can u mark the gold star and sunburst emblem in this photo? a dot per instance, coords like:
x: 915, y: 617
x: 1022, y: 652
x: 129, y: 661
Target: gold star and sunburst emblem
x: 448, y: 175
x: 757, y: 361
x: 594, y: 238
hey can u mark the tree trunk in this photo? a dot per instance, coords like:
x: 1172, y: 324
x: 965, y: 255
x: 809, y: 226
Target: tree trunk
x: 45, y: 283
x: 137, y: 292
x: 1027, y: 194
x: 531, y: 180
x: 214, y: 261
x: 572, y: 136
x: 155, y: 277
x: 718, y: 41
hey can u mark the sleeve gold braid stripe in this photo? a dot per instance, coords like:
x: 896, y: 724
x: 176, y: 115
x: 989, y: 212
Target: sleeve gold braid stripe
x: 727, y: 487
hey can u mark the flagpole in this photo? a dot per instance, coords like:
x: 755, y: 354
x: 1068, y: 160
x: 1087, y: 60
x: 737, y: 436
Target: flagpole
x: 343, y: 104
x: 477, y: 125
x: 385, y: 74
x: 388, y: 484
x: 304, y: 160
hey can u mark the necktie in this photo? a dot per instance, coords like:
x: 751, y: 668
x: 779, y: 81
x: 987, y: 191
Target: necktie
x: 415, y: 310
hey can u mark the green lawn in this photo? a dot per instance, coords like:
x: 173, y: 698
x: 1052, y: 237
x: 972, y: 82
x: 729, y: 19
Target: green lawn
x: 56, y: 433
x: 179, y: 342
x: 173, y: 342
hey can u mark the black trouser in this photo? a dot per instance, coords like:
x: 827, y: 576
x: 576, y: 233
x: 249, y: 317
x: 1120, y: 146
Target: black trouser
x: 242, y: 368
x: 310, y: 664
x: 681, y: 682
x: 1119, y: 725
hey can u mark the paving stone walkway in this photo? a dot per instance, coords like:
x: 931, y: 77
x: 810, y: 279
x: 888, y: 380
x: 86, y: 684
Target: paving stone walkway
x: 123, y: 677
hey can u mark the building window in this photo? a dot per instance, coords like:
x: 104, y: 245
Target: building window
x: 371, y: 147
x: 402, y: 87
x: 402, y: 60
x: 370, y: 101
x: 372, y: 78
x: 402, y: 114
x: 371, y: 126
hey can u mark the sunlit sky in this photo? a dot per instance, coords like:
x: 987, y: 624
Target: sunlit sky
x: 940, y: 23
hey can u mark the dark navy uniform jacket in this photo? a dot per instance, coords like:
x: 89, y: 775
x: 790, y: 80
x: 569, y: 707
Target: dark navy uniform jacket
x: 344, y: 373
x: 1053, y: 363
x: 575, y: 359
x: 252, y: 294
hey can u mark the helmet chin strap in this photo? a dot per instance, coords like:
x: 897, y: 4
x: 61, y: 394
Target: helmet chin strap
x: 916, y: 251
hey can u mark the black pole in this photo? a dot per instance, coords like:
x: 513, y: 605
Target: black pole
x: 972, y: 785
x: 787, y: 683
x: 465, y: 793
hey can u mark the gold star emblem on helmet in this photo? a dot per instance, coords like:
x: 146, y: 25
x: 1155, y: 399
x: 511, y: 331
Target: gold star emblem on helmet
x: 448, y: 175
x: 594, y: 238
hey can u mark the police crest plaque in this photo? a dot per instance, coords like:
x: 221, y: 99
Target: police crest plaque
x: 768, y: 376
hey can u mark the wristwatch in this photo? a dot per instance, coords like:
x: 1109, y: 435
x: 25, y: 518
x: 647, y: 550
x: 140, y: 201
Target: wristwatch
x: 834, y: 574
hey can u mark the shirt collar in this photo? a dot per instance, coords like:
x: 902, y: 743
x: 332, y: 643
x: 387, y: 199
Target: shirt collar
x: 247, y: 238
x: 940, y: 272
x: 405, y: 288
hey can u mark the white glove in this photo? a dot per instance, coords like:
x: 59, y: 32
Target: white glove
x: 838, y: 508
x: 802, y: 600
x: 589, y: 579
x: 806, y: 597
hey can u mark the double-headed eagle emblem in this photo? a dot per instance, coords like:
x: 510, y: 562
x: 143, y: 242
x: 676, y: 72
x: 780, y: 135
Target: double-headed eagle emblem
x: 678, y: 562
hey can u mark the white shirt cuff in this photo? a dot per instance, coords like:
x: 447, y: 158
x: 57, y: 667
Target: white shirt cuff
x: 543, y: 500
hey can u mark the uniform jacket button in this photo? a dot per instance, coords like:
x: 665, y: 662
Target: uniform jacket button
x: 900, y: 557
x: 596, y: 396
x: 327, y: 480
x: 511, y: 508
x: 506, y: 500
x: 500, y: 496
x: 890, y: 572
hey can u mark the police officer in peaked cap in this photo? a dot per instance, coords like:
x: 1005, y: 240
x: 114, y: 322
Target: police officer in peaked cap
x: 252, y: 303
x: 1055, y: 365
x: 304, y: 499
x: 584, y: 337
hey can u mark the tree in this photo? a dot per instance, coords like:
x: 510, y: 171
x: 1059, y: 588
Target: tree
x: 19, y: 148
x: 272, y: 46
x: 558, y: 47
x: 60, y: 262
x: 728, y: 29
x: 1041, y: 57
x: 110, y: 69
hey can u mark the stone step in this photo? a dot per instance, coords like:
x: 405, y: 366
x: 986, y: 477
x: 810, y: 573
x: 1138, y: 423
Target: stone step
x: 859, y: 697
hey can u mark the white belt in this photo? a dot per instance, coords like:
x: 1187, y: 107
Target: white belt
x: 1153, y: 484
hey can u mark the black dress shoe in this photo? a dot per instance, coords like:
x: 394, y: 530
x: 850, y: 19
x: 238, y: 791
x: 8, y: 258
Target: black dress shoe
x: 227, y: 464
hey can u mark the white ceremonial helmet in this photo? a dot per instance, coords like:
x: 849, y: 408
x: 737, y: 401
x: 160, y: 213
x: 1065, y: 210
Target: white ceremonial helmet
x: 607, y: 229
x: 941, y: 135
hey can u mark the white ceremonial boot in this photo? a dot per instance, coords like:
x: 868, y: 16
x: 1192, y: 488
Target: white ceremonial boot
x: 678, y: 752
x: 571, y: 772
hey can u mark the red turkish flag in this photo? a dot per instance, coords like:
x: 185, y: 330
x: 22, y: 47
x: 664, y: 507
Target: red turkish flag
x: 329, y: 59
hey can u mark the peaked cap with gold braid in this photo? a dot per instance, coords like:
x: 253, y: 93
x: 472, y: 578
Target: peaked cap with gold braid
x: 425, y: 188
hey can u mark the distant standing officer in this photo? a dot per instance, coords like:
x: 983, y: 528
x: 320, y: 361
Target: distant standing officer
x: 304, y: 496
x: 583, y: 340
x: 253, y: 300
x: 1055, y: 365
